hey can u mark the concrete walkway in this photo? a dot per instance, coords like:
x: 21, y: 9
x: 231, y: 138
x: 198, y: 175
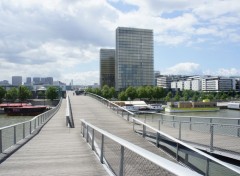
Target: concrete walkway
x: 56, y: 150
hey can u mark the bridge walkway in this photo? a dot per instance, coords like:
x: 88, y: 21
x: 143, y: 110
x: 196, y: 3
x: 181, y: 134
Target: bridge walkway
x: 96, y: 113
x: 56, y: 150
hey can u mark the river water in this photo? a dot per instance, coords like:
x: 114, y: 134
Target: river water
x: 6, y: 120
x: 226, y: 113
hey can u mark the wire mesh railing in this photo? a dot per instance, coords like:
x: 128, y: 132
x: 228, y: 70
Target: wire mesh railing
x: 13, y: 134
x: 207, y: 133
x: 176, y: 131
x: 124, y: 158
x: 184, y: 153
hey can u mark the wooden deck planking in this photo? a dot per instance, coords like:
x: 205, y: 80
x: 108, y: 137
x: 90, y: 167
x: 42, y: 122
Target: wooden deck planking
x: 56, y: 150
x: 96, y: 113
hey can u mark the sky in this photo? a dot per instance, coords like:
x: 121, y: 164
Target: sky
x: 62, y: 38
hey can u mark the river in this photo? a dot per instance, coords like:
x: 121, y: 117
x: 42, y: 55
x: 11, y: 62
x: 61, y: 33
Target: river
x: 6, y: 120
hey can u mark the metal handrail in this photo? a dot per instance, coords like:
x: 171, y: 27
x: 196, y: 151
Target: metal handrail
x: 69, y: 116
x: 157, y: 160
x: 209, y: 157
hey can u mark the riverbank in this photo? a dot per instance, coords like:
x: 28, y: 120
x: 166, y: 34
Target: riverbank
x: 181, y: 110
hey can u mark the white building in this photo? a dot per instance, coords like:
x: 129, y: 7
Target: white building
x: 218, y: 84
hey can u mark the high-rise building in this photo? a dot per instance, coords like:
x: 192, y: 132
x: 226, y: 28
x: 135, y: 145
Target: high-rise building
x: 16, y: 80
x: 107, y: 67
x: 134, y: 65
x: 48, y: 80
x: 28, y: 80
x: 36, y: 80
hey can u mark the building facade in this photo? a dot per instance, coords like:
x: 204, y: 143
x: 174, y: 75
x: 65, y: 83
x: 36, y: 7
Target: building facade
x: 107, y: 67
x: 16, y: 80
x: 134, y: 64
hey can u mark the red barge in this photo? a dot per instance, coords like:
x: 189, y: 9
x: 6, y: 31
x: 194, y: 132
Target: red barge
x: 22, y: 109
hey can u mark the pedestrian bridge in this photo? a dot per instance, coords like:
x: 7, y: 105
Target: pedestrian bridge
x: 103, y: 142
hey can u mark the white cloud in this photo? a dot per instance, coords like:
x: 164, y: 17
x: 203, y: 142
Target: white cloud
x: 58, y: 37
x: 186, y: 68
x: 223, y: 72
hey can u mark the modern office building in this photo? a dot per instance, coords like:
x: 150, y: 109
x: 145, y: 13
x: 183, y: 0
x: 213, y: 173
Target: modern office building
x: 218, y: 84
x: 28, y: 80
x: 36, y: 80
x: 16, y: 80
x: 48, y: 80
x: 134, y: 64
x: 107, y: 67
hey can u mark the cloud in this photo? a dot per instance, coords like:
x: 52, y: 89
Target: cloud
x: 223, y: 72
x: 186, y: 68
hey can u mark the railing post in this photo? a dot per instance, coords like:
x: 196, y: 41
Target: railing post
x: 121, y: 161
x: 190, y: 124
x: 92, y: 139
x: 207, y: 167
x: 102, y: 145
x: 1, y: 138
x: 127, y: 116
x: 15, y: 135
x: 159, y: 124
x: 238, y: 128
x: 144, y: 131
x: 157, y: 139
x: 211, y: 139
x: 134, y: 125
x: 30, y: 127
x: 180, y: 130
x: 87, y: 134
x: 177, y: 150
x: 23, y: 130
x: 173, y: 121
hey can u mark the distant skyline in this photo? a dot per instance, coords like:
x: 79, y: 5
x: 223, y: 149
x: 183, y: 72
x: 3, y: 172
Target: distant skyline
x: 62, y: 38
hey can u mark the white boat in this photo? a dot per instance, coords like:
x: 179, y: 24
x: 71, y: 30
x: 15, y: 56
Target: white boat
x: 155, y: 107
x: 234, y: 105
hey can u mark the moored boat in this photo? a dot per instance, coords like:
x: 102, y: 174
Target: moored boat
x: 25, y: 110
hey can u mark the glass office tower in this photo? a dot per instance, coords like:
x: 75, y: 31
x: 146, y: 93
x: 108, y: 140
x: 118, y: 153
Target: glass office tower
x: 107, y: 67
x: 134, y: 64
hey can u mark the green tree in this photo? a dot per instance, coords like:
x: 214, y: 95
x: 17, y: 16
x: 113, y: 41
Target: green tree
x: 158, y: 92
x: 141, y: 92
x: 12, y: 94
x: 131, y: 93
x: 149, y: 90
x: 2, y: 93
x: 122, y: 96
x: 105, y: 92
x: 177, y: 97
x: 169, y: 96
x: 24, y: 93
x: 52, y: 93
x: 112, y: 92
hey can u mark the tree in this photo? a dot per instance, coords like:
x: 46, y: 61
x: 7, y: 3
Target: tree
x: 2, y: 93
x: 177, y: 97
x: 112, y: 92
x: 52, y: 93
x: 141, y: 92
x: 169, y: 96
x: 131, y: 93
x: 105, y: 92
x: 149, y: 91
x: 12, y: 94
x: 24, y: 93
x: 158, y: 92
x: 122, y: 96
